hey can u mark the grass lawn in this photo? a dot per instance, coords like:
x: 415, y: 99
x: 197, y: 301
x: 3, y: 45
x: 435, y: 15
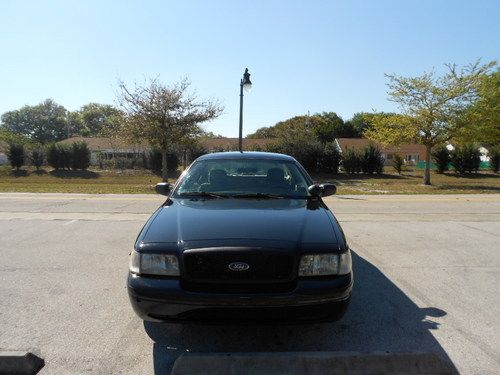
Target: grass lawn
x: 410, y: 182
x: 91, y: 181
x: 139, y: 181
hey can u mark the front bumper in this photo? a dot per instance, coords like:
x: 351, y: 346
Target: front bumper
x: 158, y: 299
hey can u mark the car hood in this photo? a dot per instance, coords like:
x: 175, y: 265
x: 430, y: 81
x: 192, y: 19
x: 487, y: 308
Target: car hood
x: 284, y: 220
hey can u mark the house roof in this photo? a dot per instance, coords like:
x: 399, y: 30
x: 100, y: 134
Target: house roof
x: 103, y: 144
x: 246, y: 155
x: 359, y: 143
x: 232, y: 143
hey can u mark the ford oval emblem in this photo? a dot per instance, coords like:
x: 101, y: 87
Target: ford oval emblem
x: 238, y: 266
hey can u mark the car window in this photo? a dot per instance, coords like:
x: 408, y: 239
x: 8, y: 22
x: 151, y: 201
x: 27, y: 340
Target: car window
x: 247, y: 176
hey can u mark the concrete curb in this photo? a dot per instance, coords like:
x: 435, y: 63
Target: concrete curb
x: 292, y: 363
x: 20, y: 363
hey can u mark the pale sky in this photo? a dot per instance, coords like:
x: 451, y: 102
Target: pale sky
x: 303, y: 55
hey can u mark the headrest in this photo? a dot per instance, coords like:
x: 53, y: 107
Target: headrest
x: 276, y: 174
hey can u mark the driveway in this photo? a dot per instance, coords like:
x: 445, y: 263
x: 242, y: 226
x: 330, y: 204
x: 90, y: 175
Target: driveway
x: 427, y: 272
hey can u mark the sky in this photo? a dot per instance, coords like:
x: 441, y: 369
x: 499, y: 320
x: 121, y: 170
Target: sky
x: 303, y: 56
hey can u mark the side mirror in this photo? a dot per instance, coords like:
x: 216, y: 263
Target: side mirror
x: 323, y: 190
x: 314, y: 190
x: 163, y: 188
x: 328, y: 189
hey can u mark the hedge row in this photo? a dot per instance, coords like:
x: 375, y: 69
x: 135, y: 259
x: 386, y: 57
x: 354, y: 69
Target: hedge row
x: 73, y: 156
x: 315, y: 156
x: 463, y: 159
x: 58, y: 156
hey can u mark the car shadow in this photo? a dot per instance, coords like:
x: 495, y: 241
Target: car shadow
x: 380, y: 318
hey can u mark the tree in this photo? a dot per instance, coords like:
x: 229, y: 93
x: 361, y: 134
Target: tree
x: 8, y: 137
x: 211, y: 135
x: 307, y: 151
x: 43, y: 123
x: 264, y: 132
x: 330, y: 158
x: 154, y: 161
x: 75, y: 124
x: 481, y: 121
x: 162, y: 115
x: 441, y: 157
x: 95, y: 117
x: 466, y: 159
x: 37, y: 158
x: 80, y: 156
x: 360, y: 122
x: 298, y: 125
x: 372, y: 160
x: 59, y: 156
x: 15, y: 154
x: 398, y: 162
x: 333, y: 127
x: 430, y: 107
x: 352, y: 161
x: 494, y: 155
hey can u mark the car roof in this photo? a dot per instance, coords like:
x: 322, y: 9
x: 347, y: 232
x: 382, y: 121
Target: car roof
x: 246, y: 155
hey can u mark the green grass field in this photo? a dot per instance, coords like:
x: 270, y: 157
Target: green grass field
x: 139, y: 181
x: 91, y: 181
x: 410, y: 182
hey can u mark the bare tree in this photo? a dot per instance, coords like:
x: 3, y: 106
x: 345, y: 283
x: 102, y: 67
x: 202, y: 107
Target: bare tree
x: 163, y: 116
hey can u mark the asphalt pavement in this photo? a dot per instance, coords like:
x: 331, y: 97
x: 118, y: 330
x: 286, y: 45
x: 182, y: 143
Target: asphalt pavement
x: 427, y: 271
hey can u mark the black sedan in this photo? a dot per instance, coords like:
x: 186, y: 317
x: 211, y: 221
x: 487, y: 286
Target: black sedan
x: 241, y: 236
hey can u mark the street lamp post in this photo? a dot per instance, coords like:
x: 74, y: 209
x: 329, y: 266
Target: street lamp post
x: 247, y: 85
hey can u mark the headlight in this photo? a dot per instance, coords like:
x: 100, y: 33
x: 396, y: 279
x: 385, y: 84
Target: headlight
x: 153, y: 264
x: 325, y: 264
x: 345, y: 263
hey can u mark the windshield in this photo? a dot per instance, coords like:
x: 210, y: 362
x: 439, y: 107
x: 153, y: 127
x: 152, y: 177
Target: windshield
x: 244, y: 178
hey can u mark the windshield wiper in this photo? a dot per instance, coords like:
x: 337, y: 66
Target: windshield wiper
x: 261, y: 196
x: 202, y: 194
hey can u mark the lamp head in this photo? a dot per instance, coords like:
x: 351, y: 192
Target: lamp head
x: 247, y: 84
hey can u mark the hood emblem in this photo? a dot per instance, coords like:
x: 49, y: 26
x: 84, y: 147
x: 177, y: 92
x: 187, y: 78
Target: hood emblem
x: 238, y: 266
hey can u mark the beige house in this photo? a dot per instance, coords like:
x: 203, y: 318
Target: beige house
x: 411, y: 153
x: 102, y: 148
x: 231, y: 144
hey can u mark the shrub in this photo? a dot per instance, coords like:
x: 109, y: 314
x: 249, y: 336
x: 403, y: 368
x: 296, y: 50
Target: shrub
x: 351, y: 161
x: 52, y: 157
x: 330, y: 158
x: 15, y: 154
x: 154, y: 161
x: 119, y: 162
x: 59, y: 156
x: 37, y: 158
x: 80, y: 156
x: 306, y: 151
x: 254, y: 147
x: 441, y: 157
x: 196, y: 151
x: 273, y: 147
x: 172, y: 162
x: 398, y: 162
x: 466, y: 159
x: 372, y: 160
x: 494, y: 154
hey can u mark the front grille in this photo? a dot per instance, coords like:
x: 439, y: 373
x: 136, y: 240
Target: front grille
x: 203, y: 268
